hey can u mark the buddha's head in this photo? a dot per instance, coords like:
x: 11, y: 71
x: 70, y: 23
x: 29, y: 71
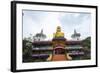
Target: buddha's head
x: 58, y: 29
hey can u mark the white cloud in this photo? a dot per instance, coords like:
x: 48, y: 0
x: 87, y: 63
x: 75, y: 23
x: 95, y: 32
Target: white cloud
x: 48, y: 21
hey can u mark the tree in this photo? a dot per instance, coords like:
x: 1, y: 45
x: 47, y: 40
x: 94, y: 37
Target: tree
x: 27, y: 49
x: 87, y: 48
x: 87, y: 42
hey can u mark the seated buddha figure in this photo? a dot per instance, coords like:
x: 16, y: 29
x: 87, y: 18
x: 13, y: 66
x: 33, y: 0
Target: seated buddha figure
x: 58, y: 33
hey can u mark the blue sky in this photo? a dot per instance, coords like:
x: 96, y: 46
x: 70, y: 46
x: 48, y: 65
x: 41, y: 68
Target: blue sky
x: 34, y: 21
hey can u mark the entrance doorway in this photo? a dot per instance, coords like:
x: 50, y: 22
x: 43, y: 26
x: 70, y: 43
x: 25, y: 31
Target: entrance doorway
x: 59, y: 51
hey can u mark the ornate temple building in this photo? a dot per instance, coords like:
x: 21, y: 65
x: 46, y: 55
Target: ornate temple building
x: 59, y: 48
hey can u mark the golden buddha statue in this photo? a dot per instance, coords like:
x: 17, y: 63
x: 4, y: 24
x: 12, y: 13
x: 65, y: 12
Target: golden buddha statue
x: 58, y: 33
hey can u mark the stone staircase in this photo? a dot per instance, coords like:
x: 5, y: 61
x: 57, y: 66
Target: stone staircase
x: 59, y: 57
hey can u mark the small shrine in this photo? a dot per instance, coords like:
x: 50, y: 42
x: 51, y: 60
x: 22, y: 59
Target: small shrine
x: 76, y: 36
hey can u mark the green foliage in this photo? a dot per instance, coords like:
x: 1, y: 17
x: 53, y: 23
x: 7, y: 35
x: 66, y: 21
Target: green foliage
x: 87, y: 48
x: 27, y: 49
x: 87, y: 42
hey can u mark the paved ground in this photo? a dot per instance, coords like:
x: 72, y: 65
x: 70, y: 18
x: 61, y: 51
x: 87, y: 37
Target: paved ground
x: 59, y: 58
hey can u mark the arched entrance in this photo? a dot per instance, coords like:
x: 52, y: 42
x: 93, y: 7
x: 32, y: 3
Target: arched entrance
x: 59, y: 50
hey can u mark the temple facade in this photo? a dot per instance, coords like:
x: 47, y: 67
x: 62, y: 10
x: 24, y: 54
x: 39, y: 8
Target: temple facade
x: 58, y: 49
